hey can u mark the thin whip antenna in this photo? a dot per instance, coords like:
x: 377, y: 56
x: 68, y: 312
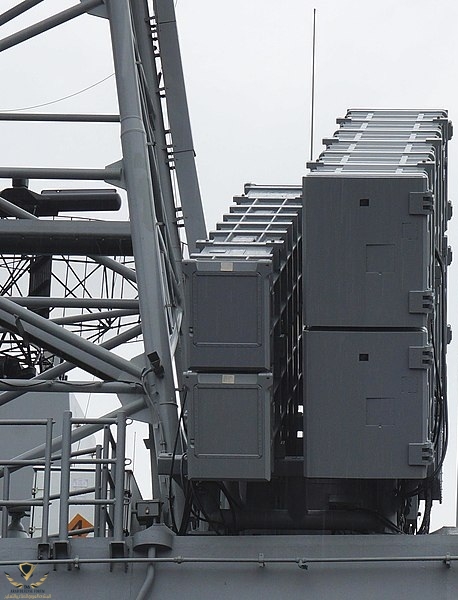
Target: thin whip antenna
x: 312, y: 116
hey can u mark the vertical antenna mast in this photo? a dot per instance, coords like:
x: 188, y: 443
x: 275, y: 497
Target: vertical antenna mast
x: 312, y: 116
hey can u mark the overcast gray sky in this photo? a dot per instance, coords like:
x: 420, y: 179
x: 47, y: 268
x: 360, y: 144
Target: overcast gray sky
x: 248, y: 67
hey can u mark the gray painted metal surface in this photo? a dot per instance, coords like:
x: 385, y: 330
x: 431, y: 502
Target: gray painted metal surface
x: 242, y: 339
x: 220, y: 445
x: 143, y: 219
x: 243, y: 298
x: 259, y: 428
x: 375, y: 257
x: 344, y: 567
x: 380, y: 410
x: 367, y: 247
x: 182, y: 155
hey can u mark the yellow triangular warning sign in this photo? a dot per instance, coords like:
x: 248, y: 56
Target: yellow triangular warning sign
x: 79, y: 522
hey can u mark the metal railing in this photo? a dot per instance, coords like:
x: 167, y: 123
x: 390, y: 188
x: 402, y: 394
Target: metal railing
x: 107, y: 460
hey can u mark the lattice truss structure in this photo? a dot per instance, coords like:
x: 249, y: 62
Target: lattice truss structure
x: 85, y: 286
x: 75, y: 290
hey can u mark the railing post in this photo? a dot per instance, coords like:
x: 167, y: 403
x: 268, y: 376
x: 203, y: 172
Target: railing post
x: 6, y: 494
x: 105, y: 477
x: 65, y: 475
x: 98, y: 492
x: 47, y: 482
x: 119, y: 477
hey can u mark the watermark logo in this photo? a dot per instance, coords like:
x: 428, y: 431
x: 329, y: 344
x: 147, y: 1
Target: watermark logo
x: 26, y: 588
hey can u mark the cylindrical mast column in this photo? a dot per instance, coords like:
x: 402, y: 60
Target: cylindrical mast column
x: 137, y: 173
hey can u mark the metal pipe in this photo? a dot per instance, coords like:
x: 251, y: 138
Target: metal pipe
x: 148, y: 71
x: 15, y: 503
x: 46, y: 24
x: 97, y: 492
x: 47, y: 482
x: 109, y: 173
x: 85, y: 430
x: 109, y: 521
x: 16, y: 211
x: 137, y: 174
x: 119, y: 477
x: 66, y: 366
x: 17, y: 10
x: 83, y: 452
x: 22, y: 463
x: 104, y: 387
x: 6, y: 493
x: 23, y: 421
x: 145, y: 590
x: 70, y: 495
x: 56, y: 456
x: 80, y: 532
x: 61, y: 339
x: 116, y: 266
x: 65, y: 474
x: 312, y: 100
x: 97, y: 316
x: 93, y: 461
x: 67, y: 118
x: 41, y: 302
x: 96, y: 420
x: 104, y: 495
x: 178, y: 116
x: 155, y: 486
x: 301, y: 562
x: 93, y: 502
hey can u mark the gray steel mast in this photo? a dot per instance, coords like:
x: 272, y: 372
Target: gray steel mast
x: 152, y: 237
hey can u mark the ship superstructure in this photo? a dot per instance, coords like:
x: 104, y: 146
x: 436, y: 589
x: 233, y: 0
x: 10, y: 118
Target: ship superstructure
x: 290, y: 366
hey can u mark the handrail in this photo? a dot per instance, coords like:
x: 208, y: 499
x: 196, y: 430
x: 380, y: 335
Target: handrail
x: 109, y: 475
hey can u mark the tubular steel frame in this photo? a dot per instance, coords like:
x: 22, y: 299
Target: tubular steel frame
x: 151, y: 155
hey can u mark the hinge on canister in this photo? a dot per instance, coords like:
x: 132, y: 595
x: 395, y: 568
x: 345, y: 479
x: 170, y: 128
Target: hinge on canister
x: 421, y: 301
x: 420, y: 357
x: 421, y: 454
x: 421, y: 203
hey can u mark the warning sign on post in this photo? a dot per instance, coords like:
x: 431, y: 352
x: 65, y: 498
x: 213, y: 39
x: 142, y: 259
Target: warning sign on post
x: 77, y: 523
